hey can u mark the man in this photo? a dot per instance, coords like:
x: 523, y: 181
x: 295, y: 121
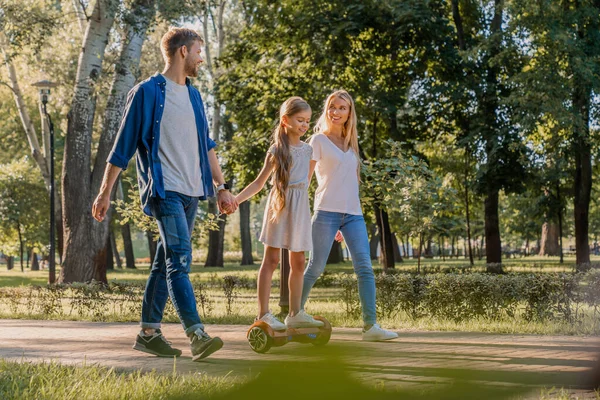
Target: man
x: 164, y: 121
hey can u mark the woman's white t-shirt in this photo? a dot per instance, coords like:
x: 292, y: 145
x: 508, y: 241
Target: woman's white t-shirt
x: 337, y: 176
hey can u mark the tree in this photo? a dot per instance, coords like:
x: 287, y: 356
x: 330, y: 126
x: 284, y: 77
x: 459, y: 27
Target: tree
x: 560, y: 79
x: 23, y: 217
x: 406, y: 185
x: 28, y: 25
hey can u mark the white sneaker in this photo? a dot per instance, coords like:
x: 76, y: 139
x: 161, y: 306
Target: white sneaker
x: 302, y: 320
x: 376, y: 333
x: 273, y: 322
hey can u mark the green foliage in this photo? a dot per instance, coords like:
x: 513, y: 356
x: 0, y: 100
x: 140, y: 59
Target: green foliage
x: 131, y: 210
x: 24, y: 208
x: 349, y: 295
x: 230, y: 286
x: 407, y: 186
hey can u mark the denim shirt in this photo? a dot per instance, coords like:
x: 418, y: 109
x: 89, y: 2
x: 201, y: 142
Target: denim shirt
x: 140, y: 131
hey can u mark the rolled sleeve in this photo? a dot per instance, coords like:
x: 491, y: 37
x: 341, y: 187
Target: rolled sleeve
x: 211, y: 144
x: 128, y: 135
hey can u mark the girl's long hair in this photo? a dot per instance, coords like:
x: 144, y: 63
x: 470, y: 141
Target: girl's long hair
x: 349, y: 132
x: 282, y: 159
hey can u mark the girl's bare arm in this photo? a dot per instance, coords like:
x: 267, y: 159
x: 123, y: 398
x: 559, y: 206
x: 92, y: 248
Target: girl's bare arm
x: 257, y: 185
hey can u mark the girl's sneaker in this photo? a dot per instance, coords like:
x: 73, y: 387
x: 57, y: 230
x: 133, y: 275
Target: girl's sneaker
x: 302, y: 320
x: 376, y: 333
x: 273, y: 322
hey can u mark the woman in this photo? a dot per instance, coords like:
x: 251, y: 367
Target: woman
x: 337, y: 205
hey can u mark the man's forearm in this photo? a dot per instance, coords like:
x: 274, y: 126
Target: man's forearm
x: 215, y: 168
x: 111, y: 173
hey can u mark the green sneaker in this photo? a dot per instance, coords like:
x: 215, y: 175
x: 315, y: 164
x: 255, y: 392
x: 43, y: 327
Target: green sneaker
x: 203, y: 345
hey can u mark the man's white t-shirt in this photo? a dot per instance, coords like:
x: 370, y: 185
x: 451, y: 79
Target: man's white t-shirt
x: 178, y: 146
x: 337, y: 176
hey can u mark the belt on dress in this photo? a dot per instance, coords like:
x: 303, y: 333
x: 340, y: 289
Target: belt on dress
x: 301, y: 185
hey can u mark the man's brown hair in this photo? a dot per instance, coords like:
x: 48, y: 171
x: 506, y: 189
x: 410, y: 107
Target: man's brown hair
x: 175, y: 38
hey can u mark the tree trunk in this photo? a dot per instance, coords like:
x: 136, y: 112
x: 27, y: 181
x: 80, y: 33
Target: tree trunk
x: 10, y: 262
x: 128, y: 246
x: 397, y: 255
x: 428, y: 249
x: 467, y: 214
x: 101, y: 262
x: 151, y: 246
x: 387, y: 246
x: 373, y: 241
x: 35, y: 264
x: 21, y: 244
x: 493, y: 247
x: 442, y: 247
x: 115, y: 250
x: 549, y: 242
x: 216, y: 239
x: 583, y: 173
x: 126, y: 73
x: 245, y: 234
x: 560, y: 221
x: 335, y: 255
x: 419, y: 255
x: 81, y: 18
x: 84, y: 239
x: 109, y: 250
x: 490, y: 106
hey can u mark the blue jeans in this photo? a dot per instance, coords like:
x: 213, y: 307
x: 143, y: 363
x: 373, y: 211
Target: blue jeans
x: 169, y: 276
x: 325, y: 225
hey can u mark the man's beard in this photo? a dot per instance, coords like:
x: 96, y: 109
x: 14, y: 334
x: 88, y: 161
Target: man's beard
x: 191, y: 68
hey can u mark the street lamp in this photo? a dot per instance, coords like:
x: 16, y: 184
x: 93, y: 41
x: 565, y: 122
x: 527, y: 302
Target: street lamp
x: 44, y: 88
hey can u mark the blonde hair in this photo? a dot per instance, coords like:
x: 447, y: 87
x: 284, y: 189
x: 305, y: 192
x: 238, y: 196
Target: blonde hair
x: 349, y: 131
x: 282, y: 160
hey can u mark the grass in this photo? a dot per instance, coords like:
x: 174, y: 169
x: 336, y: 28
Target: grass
x: 327, y: 377
x: 49, y: 381
x: 15, y: 277
x: 323, y: 301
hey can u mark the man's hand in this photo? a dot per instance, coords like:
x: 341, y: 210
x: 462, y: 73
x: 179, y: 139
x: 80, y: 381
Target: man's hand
x: 338, y: 237
x: 226, y: 202
x: 101, y: 206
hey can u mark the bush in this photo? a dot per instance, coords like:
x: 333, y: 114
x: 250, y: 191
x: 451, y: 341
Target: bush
x: 349, y: 294
x: 230, y: 286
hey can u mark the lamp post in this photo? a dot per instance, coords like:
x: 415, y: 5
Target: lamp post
x: 44, y: 88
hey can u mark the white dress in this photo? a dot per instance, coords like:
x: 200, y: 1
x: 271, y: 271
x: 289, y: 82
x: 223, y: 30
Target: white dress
x: 292, y: 230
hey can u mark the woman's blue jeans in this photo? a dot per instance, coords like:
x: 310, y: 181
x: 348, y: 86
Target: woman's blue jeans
x: 169, y: 276
x: 325, y: 225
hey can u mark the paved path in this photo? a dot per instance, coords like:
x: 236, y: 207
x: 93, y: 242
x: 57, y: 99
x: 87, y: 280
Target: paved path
x: 416, y: 358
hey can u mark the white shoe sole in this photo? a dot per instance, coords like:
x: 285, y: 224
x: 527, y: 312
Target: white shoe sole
x: 304, y: 325
x: 381, y: 339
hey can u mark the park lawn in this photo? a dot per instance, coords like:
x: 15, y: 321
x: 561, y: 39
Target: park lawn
x: 204, y: 274
x: 52, y: 381
x: 324, y: 301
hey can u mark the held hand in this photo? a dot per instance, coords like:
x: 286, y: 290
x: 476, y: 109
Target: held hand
x: 338, y: 237
x: 226, y: 202
x: 100, y: 207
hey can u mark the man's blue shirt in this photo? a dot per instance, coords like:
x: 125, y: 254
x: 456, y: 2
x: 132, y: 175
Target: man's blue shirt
x: 140, y: 131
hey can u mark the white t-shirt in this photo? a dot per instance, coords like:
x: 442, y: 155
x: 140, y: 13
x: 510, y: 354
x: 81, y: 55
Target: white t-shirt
x: 178, y: 146
x: 336, y: 173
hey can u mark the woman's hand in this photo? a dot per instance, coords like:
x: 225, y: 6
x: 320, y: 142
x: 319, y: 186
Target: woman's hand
x: 339, y: 237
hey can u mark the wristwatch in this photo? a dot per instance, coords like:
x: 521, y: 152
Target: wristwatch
x: 222, y: 186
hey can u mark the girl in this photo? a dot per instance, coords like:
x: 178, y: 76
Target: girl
x: 286, y: 224
x: 337, y: 205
